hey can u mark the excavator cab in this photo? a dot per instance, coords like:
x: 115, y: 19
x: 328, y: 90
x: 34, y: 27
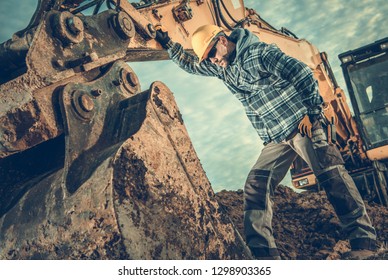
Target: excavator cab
x: 366, y: 75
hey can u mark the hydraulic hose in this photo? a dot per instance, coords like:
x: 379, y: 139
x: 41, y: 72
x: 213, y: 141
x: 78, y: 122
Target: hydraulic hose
x: 216, y: 11
x: 222, y: 16
x: 229, y: 15
x: 86, y: 6
x: 98, y: 6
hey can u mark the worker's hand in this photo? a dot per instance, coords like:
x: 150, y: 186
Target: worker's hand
x: 162, y: 36
x: 305, y: 126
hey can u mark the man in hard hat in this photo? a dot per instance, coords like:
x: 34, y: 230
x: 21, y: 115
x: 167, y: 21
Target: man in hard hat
x: 281, y: 99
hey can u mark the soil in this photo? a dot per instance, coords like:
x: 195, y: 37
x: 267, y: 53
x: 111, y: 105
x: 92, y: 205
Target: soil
x: 305, y: 226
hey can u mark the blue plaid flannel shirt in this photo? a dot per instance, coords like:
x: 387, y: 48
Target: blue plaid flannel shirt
x: 276, y: 90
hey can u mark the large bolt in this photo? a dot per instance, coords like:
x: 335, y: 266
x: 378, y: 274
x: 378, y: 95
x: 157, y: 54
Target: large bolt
x: 124, y: 26
x: 68, y: 28
x: 86, y: 103
x: 151, y: 30
x: 75, y: 25
x: 130, y: 80
x: 127, y: 25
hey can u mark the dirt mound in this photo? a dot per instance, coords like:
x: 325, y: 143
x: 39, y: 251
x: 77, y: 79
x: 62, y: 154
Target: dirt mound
x: 305, y: 225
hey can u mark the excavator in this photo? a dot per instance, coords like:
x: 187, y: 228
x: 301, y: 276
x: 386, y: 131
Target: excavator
x: 92, y: 167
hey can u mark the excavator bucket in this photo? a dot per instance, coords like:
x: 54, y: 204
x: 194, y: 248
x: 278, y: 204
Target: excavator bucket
x: 130, y: 186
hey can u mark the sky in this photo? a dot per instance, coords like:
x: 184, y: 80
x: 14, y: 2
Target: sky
x: 225, y: 141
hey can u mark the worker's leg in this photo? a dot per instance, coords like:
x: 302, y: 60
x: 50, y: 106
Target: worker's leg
x: 327, y: 164
x: 271, y: 167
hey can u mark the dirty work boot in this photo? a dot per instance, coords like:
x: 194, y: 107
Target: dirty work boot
x: 359, y: 254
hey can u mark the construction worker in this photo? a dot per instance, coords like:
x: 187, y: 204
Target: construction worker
x: 281, y: 99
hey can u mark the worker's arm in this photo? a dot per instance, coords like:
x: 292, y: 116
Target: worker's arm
x: 186, y: 60
x: 272, y: 60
